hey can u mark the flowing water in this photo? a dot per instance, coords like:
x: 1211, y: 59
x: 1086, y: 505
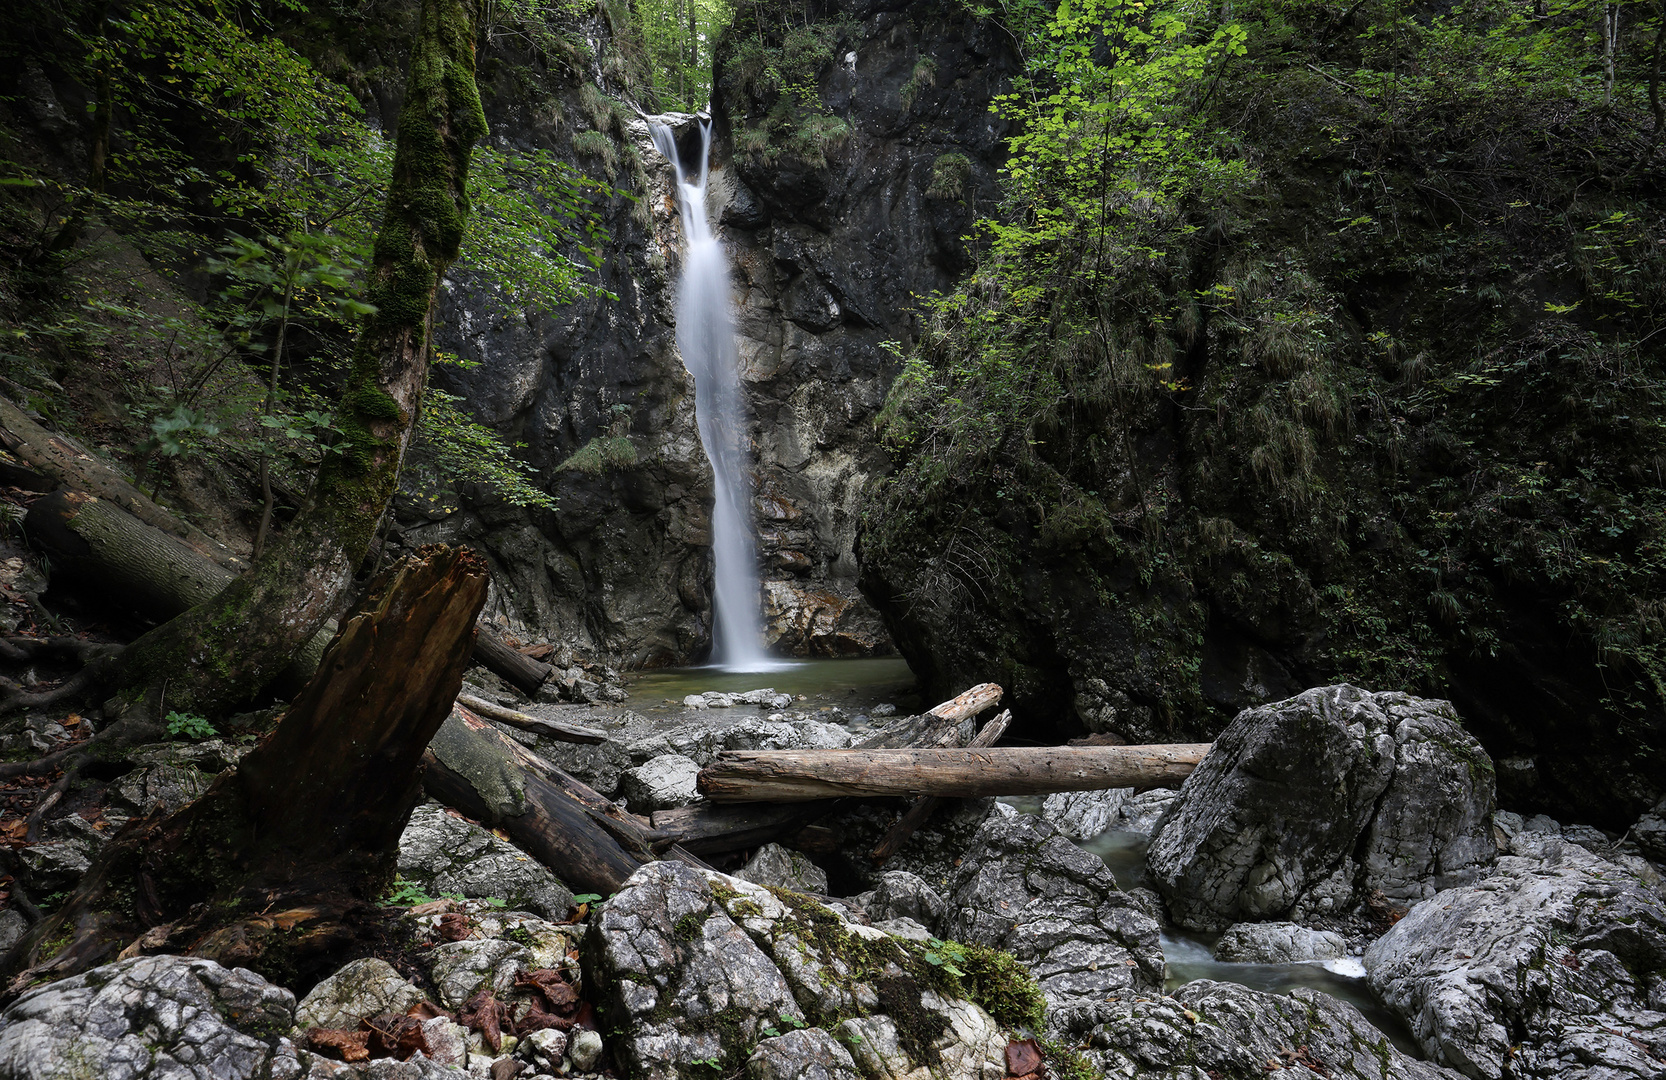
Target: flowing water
x: 1191, y: 955
x: 706, y: 339
x: 856, y: 684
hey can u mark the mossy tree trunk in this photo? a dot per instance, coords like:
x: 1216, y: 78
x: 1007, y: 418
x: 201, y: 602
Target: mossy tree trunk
x: 225, y: 650
x: 278, y: 864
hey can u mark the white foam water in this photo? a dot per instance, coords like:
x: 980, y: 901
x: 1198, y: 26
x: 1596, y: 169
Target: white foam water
x: 706, y: 339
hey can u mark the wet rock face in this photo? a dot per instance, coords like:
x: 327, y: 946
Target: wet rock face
x: 1023, y: 887
x: 1272, y: 820
x: 694, y: 966
x: 152, y: 1017
x: 1230, y: 1032
x: 1550, y: 967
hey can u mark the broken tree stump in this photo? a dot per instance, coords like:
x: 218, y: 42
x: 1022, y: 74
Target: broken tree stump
x: 797, y: 775
x: 288, y: 850
x: 922, y: 808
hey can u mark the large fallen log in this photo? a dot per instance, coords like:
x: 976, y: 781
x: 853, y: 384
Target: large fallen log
x: 96, y: 542
x: 559, y: 730
x: 585, y: 839
x: 67, y: 462
x: 921, y: 809
x: 279, y: 863
x: 796, y: 775
x: 708, y: 829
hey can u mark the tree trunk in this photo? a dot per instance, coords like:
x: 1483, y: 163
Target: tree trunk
x: 66, y: 462
x: 706, y: 829
x: 559, y: 730
x: 584, y: 839
x: 795, y: 775
x: 522, y: 672
x: 308, y: 824
x: 222, y: 652
x: 921, y: 809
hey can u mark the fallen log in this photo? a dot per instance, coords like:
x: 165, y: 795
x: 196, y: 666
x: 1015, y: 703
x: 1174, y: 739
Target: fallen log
x: 67, y: 462
x: 797, y: 775
x: 308, y: 824
x: 518, y: 670
x: 585, y: 839
x: 707, y: 829
x: 922, y: 808
x: 559, y: 730
x: 96, y: 542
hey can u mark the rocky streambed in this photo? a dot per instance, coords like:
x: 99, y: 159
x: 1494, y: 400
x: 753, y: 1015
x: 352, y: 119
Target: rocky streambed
x: 1336, y: 834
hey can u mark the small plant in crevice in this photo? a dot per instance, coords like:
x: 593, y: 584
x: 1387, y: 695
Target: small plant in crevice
x: 190, y: 726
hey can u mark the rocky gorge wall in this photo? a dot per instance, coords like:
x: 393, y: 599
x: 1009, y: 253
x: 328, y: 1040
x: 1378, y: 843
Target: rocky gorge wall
x: 830, y: 259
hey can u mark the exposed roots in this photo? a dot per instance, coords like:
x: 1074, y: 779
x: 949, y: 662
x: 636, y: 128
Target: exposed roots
x: 14, y: 698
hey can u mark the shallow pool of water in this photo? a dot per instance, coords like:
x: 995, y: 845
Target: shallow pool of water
x: 854, y: 684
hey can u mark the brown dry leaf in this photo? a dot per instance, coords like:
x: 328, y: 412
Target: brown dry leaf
x: 537, y: 1019
x: 1023, y: 1057
x: 485, y: 1014
x: 425, y: 1010
x: 432, y: 907
x: 394, y: 1036
x: 559, y: 995
x: 341, y: 1045
x: 455, y: 926
x: 506, y: 1069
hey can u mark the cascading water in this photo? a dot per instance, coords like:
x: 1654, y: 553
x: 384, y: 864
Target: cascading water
x: 706, y: 338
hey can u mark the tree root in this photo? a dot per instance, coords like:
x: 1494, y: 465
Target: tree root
x: 21, y: 649
x: 128, y: 731
x: 72, y: 771
x: 14, y: 698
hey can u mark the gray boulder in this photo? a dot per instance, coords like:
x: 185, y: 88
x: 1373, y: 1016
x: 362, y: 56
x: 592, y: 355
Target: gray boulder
x: 1549, y: 967
x: 1082, y: 815
x: 152, y: 1017
x: 1025, y: 888
x: 1291, y: 791
x: 810, y: 1054
x: 163, y: 785
x: 1650, y: 833
x: 703, y: 739
x: 901, y: 895
x: 1278, y: 943
x: 363, y: 988
x: 660, y: 783
x: 783, y: 868
x: 1229, y: 1032
x: 695, y: 966
x: 461, y: 969
x: 445, y: 854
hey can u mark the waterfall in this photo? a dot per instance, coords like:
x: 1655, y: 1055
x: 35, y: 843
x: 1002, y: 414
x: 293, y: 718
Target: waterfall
x: 706, y: 338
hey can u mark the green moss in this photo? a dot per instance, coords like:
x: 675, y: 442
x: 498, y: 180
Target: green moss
x: 601, y: 454
x: 951, y: 178
x: 1064, y: 1063
x: 688, y: 927
x: 1005, y: 988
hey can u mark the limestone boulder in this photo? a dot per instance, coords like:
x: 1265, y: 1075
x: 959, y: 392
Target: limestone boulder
x: 660, y: 783
x: 1279, y: 943
x: 1549, y: 967
x: 783, y: 868
x: 1025, y: 888
x: 363, y: 988
x: 1225, y: 1031
x: 1292, y: 791
x: 443, y: 854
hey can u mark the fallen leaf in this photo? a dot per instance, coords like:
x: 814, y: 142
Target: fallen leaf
x: 341, y: 1045
x: 485, y: 1014
x: 455, y: 926
x: 1023, y: 1057
x: 506, y: 1069
x: 425, y: 1010
x: 559, y: 995
x: 394, y: 1036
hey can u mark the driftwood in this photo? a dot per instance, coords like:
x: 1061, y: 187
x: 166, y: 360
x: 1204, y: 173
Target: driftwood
x: 796, y: 775
x: 518, y: 670
x: 708, y: 829
x: 559, y: 730
x: 289, y: 850
x: 585, y: 839
x: 921, y: 809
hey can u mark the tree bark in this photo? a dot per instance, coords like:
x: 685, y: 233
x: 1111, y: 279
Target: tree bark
x: 222, y: 652
x: 308, y: 824
x: 584, y: 838
x: 559, y: 730
x: 708, y: 829
x: 522, y: 672
x: 921, y: 809
x: 66, y: 462
x: 796, y: 775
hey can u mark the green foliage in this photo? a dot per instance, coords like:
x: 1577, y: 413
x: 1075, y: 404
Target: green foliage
x: 1332, y: 325
x: 923, y: 75
x: 951, y: 177
x: 450, y: 451
x: 190, y: 726
x: 771, y: 80
x: 405, y: 894
x: 679, y: 37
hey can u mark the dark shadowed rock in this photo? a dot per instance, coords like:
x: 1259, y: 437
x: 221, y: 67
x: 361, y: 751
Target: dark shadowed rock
x: 1294, y: 792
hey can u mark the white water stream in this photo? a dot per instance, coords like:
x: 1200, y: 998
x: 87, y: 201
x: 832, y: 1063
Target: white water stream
x: 706, y: 338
